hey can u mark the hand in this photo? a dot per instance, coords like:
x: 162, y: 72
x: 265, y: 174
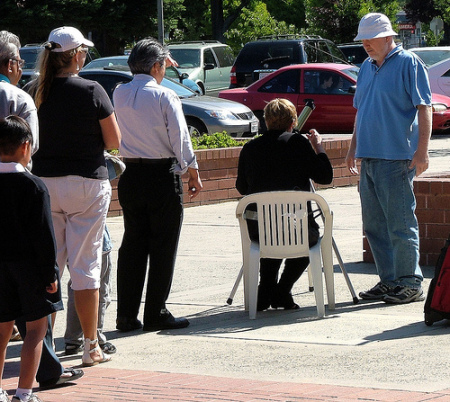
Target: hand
x: 420, y: 162
x: 314, y: 137
x: 194, y: 183
x: 52, y: 288
x: 170, y: 61
x: 316, y: 141
x: 350, y: 160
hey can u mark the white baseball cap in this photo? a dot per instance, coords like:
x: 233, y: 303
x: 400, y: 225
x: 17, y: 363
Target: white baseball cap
x: 68, y: 38
x: 374, y: 25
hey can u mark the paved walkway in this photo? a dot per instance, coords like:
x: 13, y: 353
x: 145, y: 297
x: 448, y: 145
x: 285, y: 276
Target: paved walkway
x: 359, y: 352
x: 107, y: 384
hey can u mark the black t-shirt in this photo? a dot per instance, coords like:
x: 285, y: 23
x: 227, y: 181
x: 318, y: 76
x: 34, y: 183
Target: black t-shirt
x: 27, y: 228
x: 70, y: 135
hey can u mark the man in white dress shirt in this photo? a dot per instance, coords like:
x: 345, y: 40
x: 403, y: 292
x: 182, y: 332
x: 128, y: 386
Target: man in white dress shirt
x: 156, y: 149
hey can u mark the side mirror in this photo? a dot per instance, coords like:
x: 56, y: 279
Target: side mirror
x: 183, y: 76
x: 208, y: 66
x: 352, y: 89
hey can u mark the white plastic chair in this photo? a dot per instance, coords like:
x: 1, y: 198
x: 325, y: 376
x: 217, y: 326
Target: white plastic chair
x: 283, y: 233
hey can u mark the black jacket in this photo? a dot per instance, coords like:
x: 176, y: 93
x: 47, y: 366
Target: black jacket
x: 281, y: 161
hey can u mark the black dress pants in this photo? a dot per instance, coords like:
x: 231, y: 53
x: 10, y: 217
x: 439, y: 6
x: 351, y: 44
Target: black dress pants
x: 151, y: 199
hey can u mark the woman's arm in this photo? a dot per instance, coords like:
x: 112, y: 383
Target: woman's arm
x: 110, y: 132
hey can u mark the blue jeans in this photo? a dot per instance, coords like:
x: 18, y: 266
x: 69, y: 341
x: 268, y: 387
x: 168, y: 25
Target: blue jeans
x: 388, y: 212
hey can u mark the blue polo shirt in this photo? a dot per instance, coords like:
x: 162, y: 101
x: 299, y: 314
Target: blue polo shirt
x: 387, y: 100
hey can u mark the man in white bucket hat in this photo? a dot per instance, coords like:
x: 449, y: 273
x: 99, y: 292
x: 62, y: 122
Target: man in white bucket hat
x: 391, y: 135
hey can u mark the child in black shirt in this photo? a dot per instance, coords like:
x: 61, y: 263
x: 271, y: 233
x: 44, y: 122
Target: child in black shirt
x: 28, y: 273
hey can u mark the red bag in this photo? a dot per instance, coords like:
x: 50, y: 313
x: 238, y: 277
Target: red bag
x: 441, y: 296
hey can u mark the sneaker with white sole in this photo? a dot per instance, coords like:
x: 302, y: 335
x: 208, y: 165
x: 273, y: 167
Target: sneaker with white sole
x: 4, y: 396
x: 377, y: 292
x: 33, y: 398
x: 403, y: 295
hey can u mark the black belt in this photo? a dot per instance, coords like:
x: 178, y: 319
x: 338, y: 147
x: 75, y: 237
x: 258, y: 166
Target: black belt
x: 145, y: 161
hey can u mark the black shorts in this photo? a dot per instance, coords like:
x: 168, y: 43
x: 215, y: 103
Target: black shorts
x: 23, y: 294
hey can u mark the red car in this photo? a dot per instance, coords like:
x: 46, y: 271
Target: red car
x: 330, y: 86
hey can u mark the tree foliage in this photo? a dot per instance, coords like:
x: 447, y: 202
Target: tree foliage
x: 420, y: 10
x: 255, y: 23
x: 116, y: 23
x: 426, y: 10
x: 338, y: 19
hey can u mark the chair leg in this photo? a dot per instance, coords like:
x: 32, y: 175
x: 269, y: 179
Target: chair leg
x: 327, y: 257
x: 316, y: 270
x: 310, y: 279
x: 253, y: 274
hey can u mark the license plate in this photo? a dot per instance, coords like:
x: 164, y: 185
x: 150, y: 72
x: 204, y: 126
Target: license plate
x: 265, y: 74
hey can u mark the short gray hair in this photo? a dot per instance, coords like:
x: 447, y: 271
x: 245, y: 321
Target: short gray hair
x: 9, y: 46
x: 145, y: 54
x: 9, y: 37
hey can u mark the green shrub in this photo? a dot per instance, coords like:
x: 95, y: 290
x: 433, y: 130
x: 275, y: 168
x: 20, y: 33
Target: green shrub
x: 217, y: 140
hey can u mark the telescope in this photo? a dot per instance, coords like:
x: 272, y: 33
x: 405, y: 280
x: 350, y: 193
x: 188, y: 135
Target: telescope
x: 306, y: 112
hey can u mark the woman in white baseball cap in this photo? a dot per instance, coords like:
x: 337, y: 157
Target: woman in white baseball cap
x: 67, y: 38
x: 76, y: 124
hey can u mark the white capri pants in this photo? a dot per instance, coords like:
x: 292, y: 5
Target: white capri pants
x: 79, y: 208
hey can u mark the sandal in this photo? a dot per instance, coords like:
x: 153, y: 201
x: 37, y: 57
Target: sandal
x: 72, y: 349
x: 108, y: 348
x: 69, y: 374
x: 15, y: 336
x: 87, y: 359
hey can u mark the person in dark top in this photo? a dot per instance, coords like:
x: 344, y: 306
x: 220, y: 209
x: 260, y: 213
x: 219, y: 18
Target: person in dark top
x: 28, y: 272
x: 282, y: 160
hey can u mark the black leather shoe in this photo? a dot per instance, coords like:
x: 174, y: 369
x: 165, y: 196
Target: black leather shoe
x: 166, y: 321
x: 284, y: 300
x: 126, y: 324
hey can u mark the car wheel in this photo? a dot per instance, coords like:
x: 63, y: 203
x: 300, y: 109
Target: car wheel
x: 196, y: 127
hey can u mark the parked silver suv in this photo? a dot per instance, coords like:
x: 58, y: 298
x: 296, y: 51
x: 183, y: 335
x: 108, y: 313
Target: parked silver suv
x: 208, y: 64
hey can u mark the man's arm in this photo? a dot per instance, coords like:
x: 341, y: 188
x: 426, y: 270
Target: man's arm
x: 420, y: 159
x: 350, y: 158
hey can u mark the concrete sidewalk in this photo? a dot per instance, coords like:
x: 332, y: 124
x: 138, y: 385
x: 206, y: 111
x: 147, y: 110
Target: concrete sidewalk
x: 365, y: 351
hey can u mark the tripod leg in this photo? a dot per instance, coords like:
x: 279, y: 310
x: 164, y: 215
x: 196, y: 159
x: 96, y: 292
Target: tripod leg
x: 236, y: 285
x: 344, y: 272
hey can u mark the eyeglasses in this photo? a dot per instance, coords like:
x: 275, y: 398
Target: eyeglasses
x: 20, y: 62
x: 84, y: 50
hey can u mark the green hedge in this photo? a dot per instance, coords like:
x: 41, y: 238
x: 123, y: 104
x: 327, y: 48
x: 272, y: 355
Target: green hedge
x: 217, y: 140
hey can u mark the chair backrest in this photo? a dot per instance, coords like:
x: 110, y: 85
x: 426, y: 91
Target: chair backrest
x: 283, y: 222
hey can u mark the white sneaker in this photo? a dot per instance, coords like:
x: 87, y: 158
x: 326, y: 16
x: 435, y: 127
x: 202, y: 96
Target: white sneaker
x: 4, y: 396
x: 33, y: 398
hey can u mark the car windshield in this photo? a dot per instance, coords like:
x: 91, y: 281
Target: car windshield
x: 434, y: 56
x: 100, y: 63
x: 186, y: 58
x: 181, y: 90
x: 30, y: 56
x: 351, y: 72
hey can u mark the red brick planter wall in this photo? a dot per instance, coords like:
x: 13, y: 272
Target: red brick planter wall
x: 218, y: 171
x: 433, y: 213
